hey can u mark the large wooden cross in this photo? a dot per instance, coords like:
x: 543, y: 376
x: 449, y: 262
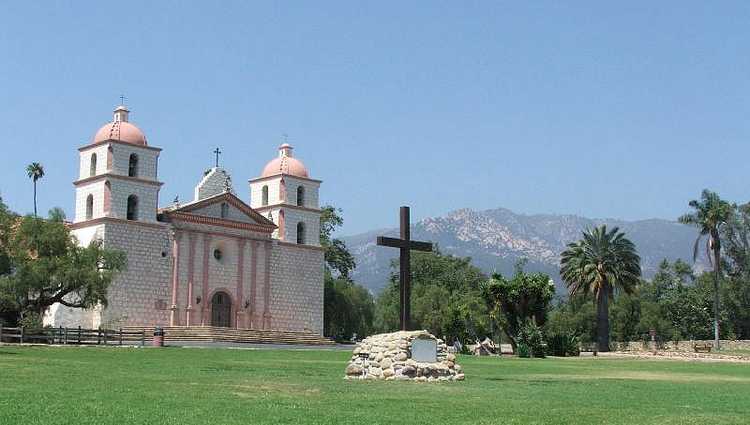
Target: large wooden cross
x: 405, y: 245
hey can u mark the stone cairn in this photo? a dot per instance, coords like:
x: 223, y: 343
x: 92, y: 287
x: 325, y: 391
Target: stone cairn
x: 389, y: 357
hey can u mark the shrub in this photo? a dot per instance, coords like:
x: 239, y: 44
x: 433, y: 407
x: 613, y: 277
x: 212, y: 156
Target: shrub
x: 563, y: 344
x: 523, y: 350
x: 531, y: 336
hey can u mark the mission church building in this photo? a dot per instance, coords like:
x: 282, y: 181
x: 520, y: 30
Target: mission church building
x: 213, y: 261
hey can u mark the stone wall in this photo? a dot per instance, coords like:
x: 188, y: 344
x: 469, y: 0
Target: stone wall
x: 147, y: 160
x: 678, y: 345
x: 274, y: 192
x: 296, y: 287
x: 96, y: 190
x: 213, y: 183
x: 85, y: 161
x: 148, y: 196
x: 311, y: 191
x: 137, y: 296
x: 311, y: 220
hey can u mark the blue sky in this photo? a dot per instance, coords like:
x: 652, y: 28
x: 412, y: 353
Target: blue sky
x: 621, y: 110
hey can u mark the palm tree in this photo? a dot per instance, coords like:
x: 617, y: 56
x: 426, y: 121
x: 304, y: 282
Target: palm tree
x: 600, y: 263
x: 710, y: 213
x: 35, y: 172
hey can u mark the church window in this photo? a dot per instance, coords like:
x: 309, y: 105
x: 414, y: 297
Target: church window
x: 217, y: 254
x: 110, y: 154
x: 133, y: 165
x: 300, y: 233
x: 107, y: 197
x: 264, y: 195
x: 89, y: 207
x: 92, y: 166
x: 132, y: 211
x: 224, y: 210
x: 300, y: 196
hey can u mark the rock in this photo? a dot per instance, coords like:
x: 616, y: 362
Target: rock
x: 409, y: 371
x: 386, y: 363
x: 353, y: 369
x: 400, y: 357
x: 450, y: 357
x: 387, y: 373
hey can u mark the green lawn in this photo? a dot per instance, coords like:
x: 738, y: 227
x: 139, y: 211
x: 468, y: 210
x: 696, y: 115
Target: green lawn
x: 42, y: 385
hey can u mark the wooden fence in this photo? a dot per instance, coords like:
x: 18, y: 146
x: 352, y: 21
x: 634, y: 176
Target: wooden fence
x: 76, y: 336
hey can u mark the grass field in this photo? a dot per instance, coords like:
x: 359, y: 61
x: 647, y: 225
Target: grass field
x: 67, y: 385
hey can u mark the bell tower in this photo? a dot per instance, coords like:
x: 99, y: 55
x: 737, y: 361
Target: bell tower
x: 117, y: 174
x: 287, y: 195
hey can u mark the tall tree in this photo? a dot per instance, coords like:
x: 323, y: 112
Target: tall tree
x: 35, y: 171
x: 516, y: 301
x: 735, y: 236
x: 48, y: 266
x: 600, y: 263
x: 56, y: 214
x: 708, y: 215
x: 338, y: 259
x: 446, y: 298
x: 348, y: 307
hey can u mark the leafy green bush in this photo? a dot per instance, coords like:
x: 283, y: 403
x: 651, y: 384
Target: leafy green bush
x: 531, y: 336
x: 523, y: 350
x: 563, y: 344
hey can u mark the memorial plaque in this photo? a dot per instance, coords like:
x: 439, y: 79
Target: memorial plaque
x: 424, y: 350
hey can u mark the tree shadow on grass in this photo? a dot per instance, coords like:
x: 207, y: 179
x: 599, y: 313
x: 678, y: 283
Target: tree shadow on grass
x: 8, y: 353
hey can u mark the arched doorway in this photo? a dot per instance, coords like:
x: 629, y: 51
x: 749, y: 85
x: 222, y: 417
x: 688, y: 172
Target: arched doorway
x: 221, y: 310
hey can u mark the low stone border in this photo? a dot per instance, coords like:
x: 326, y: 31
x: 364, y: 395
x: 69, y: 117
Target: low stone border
x: 677, y: 355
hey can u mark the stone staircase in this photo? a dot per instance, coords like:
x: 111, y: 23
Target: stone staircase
x: 247, y: 336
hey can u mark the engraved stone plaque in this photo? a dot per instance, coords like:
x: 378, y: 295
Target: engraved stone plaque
x: 424, y: 350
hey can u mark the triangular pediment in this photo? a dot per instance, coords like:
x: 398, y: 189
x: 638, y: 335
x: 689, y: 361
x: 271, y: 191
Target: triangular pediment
x: 225, y: 206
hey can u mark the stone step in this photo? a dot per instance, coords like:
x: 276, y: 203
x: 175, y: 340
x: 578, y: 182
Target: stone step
x: 250, y: 336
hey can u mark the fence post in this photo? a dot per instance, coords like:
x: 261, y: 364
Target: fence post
x: 1, y: 333
x: 66, y: 336
x: 21, y: 335
x: 120, y: 336
x: 79, y: 335
x: 143, y: 338
x: 99, y: 336
x: 105, y: 337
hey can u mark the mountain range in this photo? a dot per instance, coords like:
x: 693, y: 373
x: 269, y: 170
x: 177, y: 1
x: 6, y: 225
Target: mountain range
x: 496, y: 239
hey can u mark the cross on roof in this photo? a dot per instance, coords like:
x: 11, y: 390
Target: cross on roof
x: 217, y: 152
x: 122, y: 99
x: 405, y: 245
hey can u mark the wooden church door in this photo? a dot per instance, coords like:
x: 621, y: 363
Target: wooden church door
x: 221, y: 310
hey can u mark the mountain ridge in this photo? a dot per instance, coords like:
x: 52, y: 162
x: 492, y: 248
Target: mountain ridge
x: 496, y: 239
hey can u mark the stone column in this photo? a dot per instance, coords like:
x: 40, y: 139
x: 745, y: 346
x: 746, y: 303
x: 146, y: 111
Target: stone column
x: 205, y: 302
x: 191, y: 273
x: 173, y: 315
x: 267, y: 285
x: 253, y: 284
x: 240, y: 293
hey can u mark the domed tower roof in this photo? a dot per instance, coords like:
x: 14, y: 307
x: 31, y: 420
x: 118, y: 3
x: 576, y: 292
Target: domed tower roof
x: 285, y: 164
x: 120, y: 129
